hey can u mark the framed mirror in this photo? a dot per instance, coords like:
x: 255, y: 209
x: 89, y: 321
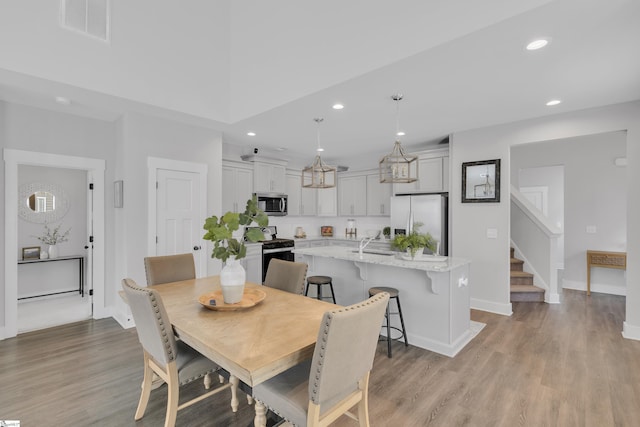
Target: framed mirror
x: 40, y: 202
x: 481, y: 181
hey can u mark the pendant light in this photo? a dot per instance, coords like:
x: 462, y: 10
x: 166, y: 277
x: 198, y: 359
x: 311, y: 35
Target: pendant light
x: 397, y: 167
x: 319, y: 175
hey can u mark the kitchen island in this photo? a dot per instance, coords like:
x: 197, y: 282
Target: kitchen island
x: 434, y: 295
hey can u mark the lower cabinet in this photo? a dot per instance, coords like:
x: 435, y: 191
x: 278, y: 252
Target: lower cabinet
x: 252, y: 263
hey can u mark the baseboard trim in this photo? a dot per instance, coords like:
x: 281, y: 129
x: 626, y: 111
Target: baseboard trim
x: 123, y: 319
x: 595, y: 287
x: 2, y: 336
x: 552, y: 298
x: 491, y: 307
x: 630, y: 332
x: 446, y: 349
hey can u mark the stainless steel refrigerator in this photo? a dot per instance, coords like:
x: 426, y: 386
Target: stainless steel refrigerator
x: 429, y: 209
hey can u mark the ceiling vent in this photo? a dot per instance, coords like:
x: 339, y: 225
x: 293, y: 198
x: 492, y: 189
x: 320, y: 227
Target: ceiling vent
x: 90, y: 17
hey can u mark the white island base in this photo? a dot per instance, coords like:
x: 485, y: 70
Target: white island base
x: 434, y: 296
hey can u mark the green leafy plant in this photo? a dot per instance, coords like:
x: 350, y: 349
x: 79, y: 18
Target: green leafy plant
x: 414, y: 241
x: 220, y: 231
x: 386, y: 231
x: 53, y: 237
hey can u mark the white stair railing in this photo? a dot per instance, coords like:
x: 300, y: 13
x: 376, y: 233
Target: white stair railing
x: 536, y: 238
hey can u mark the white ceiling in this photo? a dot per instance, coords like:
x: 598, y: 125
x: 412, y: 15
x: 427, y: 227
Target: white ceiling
x: 462, y: 73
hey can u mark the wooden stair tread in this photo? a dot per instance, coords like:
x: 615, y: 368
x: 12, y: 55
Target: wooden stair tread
x: 526, y: 288
x: 520, y: 274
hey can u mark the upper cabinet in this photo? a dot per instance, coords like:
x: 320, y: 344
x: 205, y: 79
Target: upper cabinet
x: 302, y: 201
x: 237, y: 186
x: 327, y: 201
x: 378, y: 196
x: 268, y: 178
x: 352, y: 195
x: 433, y: 174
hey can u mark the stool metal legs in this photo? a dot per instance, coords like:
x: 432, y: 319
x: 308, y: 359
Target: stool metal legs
x: 389, y: 327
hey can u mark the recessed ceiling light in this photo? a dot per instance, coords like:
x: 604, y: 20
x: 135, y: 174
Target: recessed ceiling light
x: 62, y: 100
x: 400, y: 133
x: 553, y: 102
x: 319, y: 149
x: 338, y: 106
x: 251, y: 133
x: 281, y: 149
x: 537, y: 44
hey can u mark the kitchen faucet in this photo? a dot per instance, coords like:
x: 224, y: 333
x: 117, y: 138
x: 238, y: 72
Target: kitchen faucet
x: 364, y: 244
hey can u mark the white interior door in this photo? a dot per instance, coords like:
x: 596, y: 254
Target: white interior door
x: 179, y: 223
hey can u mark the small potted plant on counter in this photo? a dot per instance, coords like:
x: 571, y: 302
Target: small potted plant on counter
x: 386, y: 231
x: 414, y: 242
x: 230, y: 250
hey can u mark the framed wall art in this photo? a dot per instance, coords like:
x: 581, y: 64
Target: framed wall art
x: 481, y: 181
x: 32, y: 252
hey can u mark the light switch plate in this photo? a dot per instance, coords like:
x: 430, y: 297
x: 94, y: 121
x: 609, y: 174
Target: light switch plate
x: 591, y: 229
x: 492, y: 233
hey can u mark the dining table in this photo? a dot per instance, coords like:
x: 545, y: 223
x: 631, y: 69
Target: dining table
x: 252, y: 343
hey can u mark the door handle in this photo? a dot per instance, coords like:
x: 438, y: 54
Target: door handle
x: 197, y: 248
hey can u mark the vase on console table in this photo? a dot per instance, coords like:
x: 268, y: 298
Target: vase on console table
x: 232, y: 279
x: 53, y: 251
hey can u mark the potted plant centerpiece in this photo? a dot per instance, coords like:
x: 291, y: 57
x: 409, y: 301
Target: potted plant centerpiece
x: 53, y: 238
x: 414, y: 242
x: 230, y: 250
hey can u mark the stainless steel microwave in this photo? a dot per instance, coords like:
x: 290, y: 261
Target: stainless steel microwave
x: 273, y: 204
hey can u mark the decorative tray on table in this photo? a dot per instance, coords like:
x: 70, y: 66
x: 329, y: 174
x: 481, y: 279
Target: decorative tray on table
x: 215, y: 301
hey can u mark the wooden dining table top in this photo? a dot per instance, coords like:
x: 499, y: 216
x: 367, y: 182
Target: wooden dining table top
x: 254, y: 343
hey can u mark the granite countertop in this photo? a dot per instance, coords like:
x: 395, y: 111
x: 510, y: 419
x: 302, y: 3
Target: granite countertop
x: 395, y: 259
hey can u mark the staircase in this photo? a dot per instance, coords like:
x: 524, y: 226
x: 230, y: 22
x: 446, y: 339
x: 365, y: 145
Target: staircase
x: 522, y: 288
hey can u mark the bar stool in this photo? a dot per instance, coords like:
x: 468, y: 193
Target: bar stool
x: 319, y: 281
x: 393, y: 294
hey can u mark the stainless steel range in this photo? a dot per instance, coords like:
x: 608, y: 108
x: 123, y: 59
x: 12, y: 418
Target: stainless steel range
x: 273, y: 247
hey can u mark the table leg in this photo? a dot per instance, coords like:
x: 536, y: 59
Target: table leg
x: 588, y: 275
x: 234, y: 381
x: 261, y: 414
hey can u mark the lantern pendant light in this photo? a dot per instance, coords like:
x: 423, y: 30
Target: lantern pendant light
x: 397, y: 167
x: 319, y: 175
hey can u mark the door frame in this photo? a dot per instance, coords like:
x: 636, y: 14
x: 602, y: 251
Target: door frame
x: 95, y: 168
x: 155, y: 163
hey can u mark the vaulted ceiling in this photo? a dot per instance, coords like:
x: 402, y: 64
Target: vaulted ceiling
x: 271, y: 67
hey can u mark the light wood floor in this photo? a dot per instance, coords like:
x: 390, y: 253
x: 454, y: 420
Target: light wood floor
x: 547, y: 365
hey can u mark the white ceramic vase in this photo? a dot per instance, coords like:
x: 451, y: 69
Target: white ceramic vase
x: 232, y: 279
x: 53, y: 251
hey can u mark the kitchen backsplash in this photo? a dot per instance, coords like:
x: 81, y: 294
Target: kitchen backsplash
x: 311, y: 225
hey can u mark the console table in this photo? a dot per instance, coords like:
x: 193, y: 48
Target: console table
x: 80, y: 259
x: 604, y: 259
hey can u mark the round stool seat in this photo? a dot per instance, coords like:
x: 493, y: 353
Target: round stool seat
x: 319, y: 280
x: 393, y: 292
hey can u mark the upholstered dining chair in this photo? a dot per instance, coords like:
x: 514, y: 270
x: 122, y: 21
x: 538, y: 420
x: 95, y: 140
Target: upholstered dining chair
x: 286, y: 275
x: 317, y: 392
x: 173, y: 361
x: 169, y: 268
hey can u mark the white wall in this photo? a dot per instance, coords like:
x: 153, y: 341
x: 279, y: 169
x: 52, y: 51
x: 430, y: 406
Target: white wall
x: 146, y: 36
x: 551, y: 177
x: 490, y: 263
x: 595, y: 195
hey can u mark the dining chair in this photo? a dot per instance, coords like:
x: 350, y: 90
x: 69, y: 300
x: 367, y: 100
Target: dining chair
x: 172, y: 360
x: 317, y: 392
x: 286, y: 275
x: 169, y: 268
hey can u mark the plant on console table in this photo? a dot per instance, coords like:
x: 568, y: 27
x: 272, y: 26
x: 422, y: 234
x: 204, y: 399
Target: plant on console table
x: 414, y: 242
x: 53, y: 238
x: 230, y: 250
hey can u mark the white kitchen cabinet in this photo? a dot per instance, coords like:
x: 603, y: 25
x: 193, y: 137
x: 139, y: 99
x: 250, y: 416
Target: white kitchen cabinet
x: 237, y: 187
x: 302, y: 201
x: 378, y: 196
x: 327, y: 202
x: 433, y: 174
x: 352, y: 195
x: 268, y: 178
x: 252, y: 263
x: 300, y: 244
